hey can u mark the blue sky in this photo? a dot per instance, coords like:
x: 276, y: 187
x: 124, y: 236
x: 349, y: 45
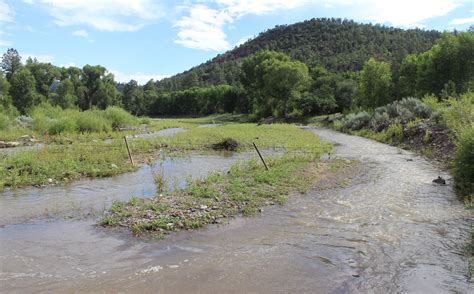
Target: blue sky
x: 144, y: 39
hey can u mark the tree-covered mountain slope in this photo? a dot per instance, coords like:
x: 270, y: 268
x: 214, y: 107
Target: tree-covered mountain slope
x: 337, y: 44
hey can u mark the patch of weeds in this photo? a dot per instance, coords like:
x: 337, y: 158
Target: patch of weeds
x: 243, y: 190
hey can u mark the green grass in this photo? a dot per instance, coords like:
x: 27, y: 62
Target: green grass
x: 279, y: 136
x: 72, y: 156
x: 243, y: 190
x: 62, y: 164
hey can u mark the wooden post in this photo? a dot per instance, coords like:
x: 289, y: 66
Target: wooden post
x: 128, y: 150
x: 260, y: 155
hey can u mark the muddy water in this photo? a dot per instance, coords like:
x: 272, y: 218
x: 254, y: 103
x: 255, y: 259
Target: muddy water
x: 390, y: 230
x: 93, y: 195
x: 161, y: 133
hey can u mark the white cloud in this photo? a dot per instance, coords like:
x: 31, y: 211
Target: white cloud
x: 4, y: 43
x: 203, y: 26
x: 6, y: 13
x: 407, y: 13
x: 258, y: 7
x: 105, y: 15
x: 202, y: 29
x: 40, y: 58
x: 139, y: 77
x: 28, y: 1
x: 461, y: 21
x: 81, y: 33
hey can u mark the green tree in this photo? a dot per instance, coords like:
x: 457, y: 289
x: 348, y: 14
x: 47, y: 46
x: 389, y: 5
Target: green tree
x: 5, y: 99
x: 97, y: 89
x: 375, y: 84
x: 11, y: 62
x: 273, y: 80
x: 22, y: 89
x: 408, y: 76
x: 65, y: 94
x: 133, y: 98
x: 45, y: 74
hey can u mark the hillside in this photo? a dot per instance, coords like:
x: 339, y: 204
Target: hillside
x: 337, y: 44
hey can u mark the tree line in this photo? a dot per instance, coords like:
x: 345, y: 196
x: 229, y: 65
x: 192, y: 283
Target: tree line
x: 270, y: 83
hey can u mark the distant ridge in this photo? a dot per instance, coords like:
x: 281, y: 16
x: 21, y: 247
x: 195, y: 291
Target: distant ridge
x: 337, y: 44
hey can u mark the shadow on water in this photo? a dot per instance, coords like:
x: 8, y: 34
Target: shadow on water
x: 389, y: 230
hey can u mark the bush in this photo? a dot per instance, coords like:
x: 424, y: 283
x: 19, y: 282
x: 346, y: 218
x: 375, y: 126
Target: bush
x: 356, y: 121
x: 379, y: 121
x: 65, y: 124
x: 459, y: 114
x: 408, y: 109
x: 394, y: 133
x: 89, y: 121
x: 4, y: 121
x: 464, y: 163
x: 119, y: 117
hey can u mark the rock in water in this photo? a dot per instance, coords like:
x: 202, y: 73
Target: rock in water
x: 440, y: 181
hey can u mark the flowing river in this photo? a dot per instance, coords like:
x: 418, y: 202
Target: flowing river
x: 389, y: 230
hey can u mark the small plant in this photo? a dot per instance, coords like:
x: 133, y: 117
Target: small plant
x: 379, y: 121
x: 357, y: 121
x: 464, y: 163
x: 426, y: 137
x: 394, y: 133
x: 134, y: 201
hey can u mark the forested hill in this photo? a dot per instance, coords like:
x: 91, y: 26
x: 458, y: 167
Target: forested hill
x: 337, y: 44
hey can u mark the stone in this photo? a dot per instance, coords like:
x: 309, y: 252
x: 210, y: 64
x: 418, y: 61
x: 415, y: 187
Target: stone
x: 440, y: 181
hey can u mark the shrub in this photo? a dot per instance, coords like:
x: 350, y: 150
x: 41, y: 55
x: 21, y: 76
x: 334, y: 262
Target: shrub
x: 89, y: 121
x: 65, y: 124
x: 459, y: 115
x: 4, y: 121
x: 356, y: 121
x: 464, y: 164
x: 408, y: 109
x: 394, y: 133
x: 379, y: 121
x: 119, y: 117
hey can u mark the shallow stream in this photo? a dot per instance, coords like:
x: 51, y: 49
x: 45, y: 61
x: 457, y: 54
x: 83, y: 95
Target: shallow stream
x: 389, y: 230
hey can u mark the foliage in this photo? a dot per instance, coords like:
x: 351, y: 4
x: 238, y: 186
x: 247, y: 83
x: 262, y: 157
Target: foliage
x: 242, y: 190
x: 22, y: 89
x: 447, y: 69
x: 273, y: 80
x: 458, y: 114
x: 11, y: 63
x: 356, y: 121
x: 275, y: 136
x: 375, y: 84
x: 119, y: 117
x: 464, y: 167
x: 339, y: 45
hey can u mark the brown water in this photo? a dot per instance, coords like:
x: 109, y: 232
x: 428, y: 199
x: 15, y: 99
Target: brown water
x: 389, y: 231
x: 89, y: 196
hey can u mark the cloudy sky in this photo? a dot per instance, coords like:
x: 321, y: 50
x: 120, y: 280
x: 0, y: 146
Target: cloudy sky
x: 144, y: 39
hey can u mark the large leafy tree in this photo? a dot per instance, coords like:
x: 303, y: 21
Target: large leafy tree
x: 45, y: 75
x: 65, y: 94
x: 273, y: 80
x: 133, y: 98
x: 5, y: 98
x: 22, y: 89
x: 11, y: 62
x: 447, y: 67
x: 99, y: 88
x: 375, y: 84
